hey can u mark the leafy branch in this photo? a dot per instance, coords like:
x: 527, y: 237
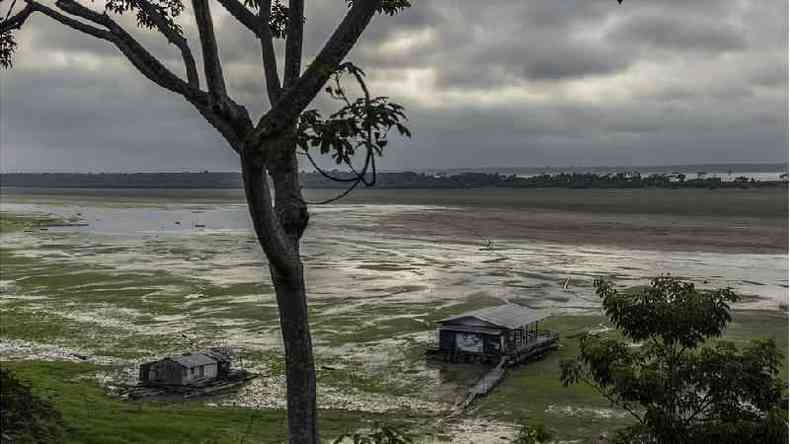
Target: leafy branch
x: 360, y: 125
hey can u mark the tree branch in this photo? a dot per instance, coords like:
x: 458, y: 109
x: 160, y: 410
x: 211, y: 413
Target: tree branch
x: 208, y: 42
x: 259, y: 25
x: 293, y: 42
x: 243, y: 15
x: 296, y: 98
x: 146, y: 63
x: 232, y: 120
x: 15, y: 22
x: 70, y: 22
x: 267, y: 226
x: 174, y: 38
x: 268, y: 57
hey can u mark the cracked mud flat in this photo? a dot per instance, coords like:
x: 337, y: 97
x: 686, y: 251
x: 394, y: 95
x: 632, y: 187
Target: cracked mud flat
x: 143, y: 280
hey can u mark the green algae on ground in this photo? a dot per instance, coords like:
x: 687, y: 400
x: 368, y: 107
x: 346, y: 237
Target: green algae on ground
x: 363, y: 344
x: 10, y: 222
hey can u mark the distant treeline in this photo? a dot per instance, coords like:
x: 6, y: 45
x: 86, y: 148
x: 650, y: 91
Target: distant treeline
x: 122, y: 180
x: 383, y: 180
x: 690, y: 170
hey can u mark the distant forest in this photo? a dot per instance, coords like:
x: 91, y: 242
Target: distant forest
x: 387, y: 180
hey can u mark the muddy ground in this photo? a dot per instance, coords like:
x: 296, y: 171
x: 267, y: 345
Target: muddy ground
x: 157, y: 272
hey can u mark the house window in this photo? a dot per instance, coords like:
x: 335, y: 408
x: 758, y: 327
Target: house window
x: 200, y: 372
x: 192, y: 371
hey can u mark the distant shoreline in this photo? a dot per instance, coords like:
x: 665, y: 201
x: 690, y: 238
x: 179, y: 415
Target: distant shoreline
x: 405, y: 180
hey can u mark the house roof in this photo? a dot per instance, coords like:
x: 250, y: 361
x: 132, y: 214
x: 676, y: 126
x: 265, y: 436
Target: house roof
x: 194, y: 360
x: 508, y: 316
x: 472, y: 329
x: 217, y: 355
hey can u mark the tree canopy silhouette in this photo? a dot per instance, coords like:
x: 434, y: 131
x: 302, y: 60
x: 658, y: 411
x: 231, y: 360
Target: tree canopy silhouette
x: 679, y: 389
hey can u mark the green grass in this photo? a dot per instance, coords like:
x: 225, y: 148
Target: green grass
x: 91, y: 416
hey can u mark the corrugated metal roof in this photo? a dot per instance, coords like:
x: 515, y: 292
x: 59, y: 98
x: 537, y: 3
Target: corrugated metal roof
x: 507, y: 315
x: 472, y: 329
x: 194, y: 360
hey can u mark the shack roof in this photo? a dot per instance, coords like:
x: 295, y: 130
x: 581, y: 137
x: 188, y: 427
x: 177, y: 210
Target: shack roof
x: 191, y: 360
x: 508, y: 316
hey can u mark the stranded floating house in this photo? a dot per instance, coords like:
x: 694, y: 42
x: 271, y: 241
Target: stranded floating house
x: 197, y: 368
x: 508, y: 334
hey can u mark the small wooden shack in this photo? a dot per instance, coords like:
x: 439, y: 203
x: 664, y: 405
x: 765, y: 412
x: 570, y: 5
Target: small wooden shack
x: 507, y: 331
x: 187, y: 369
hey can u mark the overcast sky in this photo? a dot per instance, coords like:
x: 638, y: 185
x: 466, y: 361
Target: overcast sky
x: 485, y: 83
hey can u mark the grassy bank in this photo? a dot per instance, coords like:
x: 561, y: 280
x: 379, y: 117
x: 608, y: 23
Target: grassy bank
x: 93, y: 417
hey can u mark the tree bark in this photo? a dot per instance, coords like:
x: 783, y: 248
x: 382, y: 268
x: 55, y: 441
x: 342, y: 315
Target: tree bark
x: 290, y: 215
x: 299, y: 364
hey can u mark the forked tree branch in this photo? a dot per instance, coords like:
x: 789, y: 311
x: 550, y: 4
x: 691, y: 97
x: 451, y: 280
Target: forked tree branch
x: 208, y: 43
x: 232, y: 121
x: 15, y: 22
x: 243, y: 15
x: 259, y: 25
x: 174, y: 38
x: 296, y: 97
x: 70, y: 22
x: 146, y: 63
x: 268, y: 228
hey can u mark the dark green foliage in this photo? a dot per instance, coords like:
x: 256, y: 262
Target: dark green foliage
x: 278, y: 19
x: 7, y: 47
x: 529, y: 434
x: 670, y: 309
x: 389, y: 7
x: 678, y: 390
x: 150, y: 12
x: 622, y: 180
x: 359, y: 124
x: 26, y: 418
x: 379, y: 434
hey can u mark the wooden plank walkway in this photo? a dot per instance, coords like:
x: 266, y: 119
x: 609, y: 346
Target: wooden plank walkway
x: 484, y: 385
x: 537, y: 347
x: 497, y: 374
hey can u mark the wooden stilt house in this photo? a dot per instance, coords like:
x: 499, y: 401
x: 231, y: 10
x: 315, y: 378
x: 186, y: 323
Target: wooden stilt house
x: 507, y: 331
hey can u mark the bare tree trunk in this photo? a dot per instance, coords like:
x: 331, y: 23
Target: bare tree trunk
x: 287, y: 274
x: 300, y: 368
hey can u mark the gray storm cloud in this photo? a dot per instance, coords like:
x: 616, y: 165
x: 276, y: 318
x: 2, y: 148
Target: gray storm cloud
x: 485, y: 83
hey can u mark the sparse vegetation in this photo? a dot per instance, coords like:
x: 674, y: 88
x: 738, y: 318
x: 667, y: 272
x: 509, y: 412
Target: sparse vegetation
x: 533, y: 434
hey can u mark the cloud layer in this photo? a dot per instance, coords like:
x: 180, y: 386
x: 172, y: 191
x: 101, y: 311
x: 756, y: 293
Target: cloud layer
x: 562, y: 82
